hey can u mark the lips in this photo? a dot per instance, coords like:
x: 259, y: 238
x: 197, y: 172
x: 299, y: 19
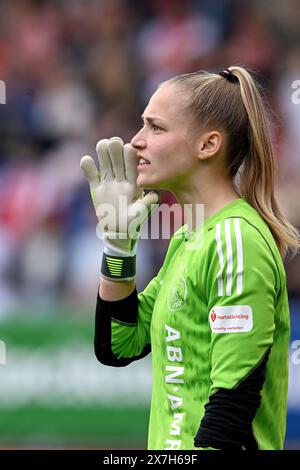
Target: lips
x: 142, y: 160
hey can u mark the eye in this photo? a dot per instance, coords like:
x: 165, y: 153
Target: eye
x: 155, y: 128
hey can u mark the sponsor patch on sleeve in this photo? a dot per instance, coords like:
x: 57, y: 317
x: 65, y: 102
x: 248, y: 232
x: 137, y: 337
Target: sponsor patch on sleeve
x: 231, y: 319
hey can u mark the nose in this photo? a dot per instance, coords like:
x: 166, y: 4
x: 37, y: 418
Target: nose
x: 138, y: 141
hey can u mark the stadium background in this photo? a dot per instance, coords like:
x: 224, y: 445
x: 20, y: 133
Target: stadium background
x: 76, y: 71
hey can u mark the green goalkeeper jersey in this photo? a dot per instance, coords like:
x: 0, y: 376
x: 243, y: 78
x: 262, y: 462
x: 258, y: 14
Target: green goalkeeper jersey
x: 216, y: 309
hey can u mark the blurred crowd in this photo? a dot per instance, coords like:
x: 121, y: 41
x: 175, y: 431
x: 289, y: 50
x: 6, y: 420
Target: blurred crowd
x: 80, y: 70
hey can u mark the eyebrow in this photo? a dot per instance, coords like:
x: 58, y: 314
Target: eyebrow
x: 150, y: 119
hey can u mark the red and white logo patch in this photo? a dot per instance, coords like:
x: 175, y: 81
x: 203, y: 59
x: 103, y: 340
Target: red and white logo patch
x: 231, y: 319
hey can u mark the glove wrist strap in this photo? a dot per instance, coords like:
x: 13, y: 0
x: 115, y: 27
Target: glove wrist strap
x: 118, y: 268
x: 120, y: 248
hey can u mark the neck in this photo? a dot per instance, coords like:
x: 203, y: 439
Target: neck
x: 200, y: 201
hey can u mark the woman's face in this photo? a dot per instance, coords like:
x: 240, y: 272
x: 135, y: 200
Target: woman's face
x: 163, y: 142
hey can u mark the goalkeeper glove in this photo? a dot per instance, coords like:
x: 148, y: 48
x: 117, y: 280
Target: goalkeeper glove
x: 121, y: 206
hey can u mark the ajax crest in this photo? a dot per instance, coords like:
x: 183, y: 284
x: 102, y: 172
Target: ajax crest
x: 178, y: 292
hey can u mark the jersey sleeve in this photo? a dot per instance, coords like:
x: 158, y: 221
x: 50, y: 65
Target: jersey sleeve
x: 129, y: 340
x: 242, y: 284
x: 122, y: 327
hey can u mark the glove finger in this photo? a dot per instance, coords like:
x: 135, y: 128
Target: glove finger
x: 88, y: 166
x: 106, y: 170
x: 130, y: 160
x: 142, y: 208
x: 150, y: 200
x: 115, y: 148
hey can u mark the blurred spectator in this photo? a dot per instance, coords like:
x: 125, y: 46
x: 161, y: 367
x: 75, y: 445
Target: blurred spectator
x: 173, y: 41
x: 63, y: 107
x: 42, y: 263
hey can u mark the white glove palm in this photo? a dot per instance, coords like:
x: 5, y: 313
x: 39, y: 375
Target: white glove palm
x: 120, y: 204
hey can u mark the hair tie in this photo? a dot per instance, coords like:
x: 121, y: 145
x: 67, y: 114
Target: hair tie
x: 229, y: 76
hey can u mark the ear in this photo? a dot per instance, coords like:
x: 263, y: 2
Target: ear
x: 209, y: 144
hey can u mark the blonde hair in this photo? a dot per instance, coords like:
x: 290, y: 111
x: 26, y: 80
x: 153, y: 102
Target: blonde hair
x: 234, y: 103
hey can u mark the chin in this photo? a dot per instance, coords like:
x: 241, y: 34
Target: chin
x: 143, y: 183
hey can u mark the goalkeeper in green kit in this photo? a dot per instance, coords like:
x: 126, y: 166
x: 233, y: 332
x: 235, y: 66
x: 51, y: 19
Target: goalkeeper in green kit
x: 216, y: 316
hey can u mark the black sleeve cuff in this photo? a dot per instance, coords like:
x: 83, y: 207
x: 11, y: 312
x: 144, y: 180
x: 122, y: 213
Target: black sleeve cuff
x: 124, y: 311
